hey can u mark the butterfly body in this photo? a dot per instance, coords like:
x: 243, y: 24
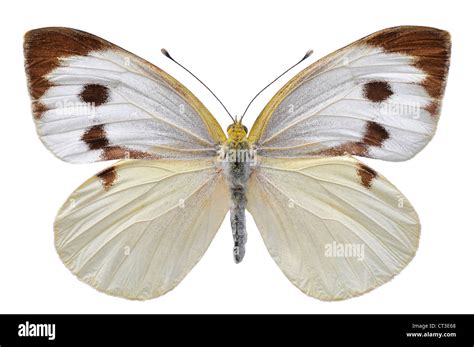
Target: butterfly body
x: 237, y: 169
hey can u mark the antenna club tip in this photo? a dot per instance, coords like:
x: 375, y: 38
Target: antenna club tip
x: 308, y: 54
x: 165, y: 53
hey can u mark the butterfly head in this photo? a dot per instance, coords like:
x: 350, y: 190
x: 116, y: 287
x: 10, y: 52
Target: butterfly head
x: 237, y: 132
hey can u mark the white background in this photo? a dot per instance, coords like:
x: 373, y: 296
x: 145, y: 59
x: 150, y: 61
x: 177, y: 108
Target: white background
x: 236, y: 49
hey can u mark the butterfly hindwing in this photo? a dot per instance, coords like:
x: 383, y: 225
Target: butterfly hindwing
x: 379, y: 97
x: 137, y: 228
x: 335, y: 227
x: 93, y: 101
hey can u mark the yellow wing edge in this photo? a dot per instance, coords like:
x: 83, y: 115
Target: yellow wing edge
x: 215, y: 130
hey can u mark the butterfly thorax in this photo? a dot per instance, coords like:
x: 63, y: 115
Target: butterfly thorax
x: 237, y: 133
x: 236, y: 162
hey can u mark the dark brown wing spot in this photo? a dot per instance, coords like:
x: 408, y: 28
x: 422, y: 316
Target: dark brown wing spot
x: 108, y: 177
x: 95, y: 94
x: 377, y: 91
x: 430, y: 47
x: 96, y: 137
x: 375, y: 134
x: 366, y: 175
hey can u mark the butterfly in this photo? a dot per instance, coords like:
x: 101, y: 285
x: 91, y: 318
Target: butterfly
x: 335, y: 227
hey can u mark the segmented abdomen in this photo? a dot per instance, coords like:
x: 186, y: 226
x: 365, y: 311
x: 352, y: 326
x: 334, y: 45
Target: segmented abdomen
x: 237, y: 172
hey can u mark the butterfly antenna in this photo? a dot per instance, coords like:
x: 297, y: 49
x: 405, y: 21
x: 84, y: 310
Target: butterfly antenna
x: 308, y: 53
x: 167, y: 55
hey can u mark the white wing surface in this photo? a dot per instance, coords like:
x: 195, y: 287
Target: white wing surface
x: 335, y: 227
x: 136, y: 229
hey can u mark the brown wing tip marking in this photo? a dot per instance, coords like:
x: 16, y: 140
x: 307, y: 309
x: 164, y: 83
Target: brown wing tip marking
x: 366, y: 175
x: 43, y: 49
x: 108, y: 177
x: 431, y: 49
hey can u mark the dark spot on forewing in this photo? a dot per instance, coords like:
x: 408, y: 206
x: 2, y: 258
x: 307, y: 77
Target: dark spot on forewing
x: 94, y: 94
x: 377, y: 91
x: 96, y: 137
x: 108, y: 177
x: 366, y: 175
x: 375, y: 134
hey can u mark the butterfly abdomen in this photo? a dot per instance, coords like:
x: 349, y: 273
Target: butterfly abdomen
x: 237, y: 172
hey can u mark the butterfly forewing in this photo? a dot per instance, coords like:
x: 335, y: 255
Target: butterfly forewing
x: 379, y: 97
x: 93, y: 101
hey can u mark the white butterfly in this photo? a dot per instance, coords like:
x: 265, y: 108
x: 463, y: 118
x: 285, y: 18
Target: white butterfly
x: 335, y: 227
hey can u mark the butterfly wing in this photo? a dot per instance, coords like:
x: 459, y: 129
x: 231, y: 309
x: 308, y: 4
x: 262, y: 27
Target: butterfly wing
x: 334, y: 226
x: 379, y: 97
x: 95, y: 101
x: 136, y: 229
